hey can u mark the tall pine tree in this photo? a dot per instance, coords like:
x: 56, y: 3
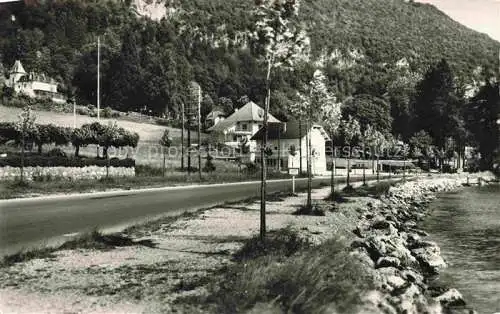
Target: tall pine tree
x: 126, y: 76
x: 482, y: 114
x: 436, y: 106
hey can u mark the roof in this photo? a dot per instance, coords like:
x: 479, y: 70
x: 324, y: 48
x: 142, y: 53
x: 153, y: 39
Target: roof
x: 17, y: 68
x: 249, y: 112
x: 215, y: 113
x: 286, y: 130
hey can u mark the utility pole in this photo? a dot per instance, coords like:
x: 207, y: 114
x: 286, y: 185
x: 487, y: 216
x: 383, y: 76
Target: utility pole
x: 182, y: 136
x: 98, y: 78
x: 74, y: 114
x: 199, y: 131
x: 279, y: 147
x: 98, y: 84
x: 189, y: 142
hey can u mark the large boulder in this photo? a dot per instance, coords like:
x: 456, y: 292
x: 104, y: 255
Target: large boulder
x: 451, y: 298
x: 429, y: 258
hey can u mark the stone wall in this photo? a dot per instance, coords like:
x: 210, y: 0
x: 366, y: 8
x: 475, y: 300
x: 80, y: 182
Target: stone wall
x: 64, y: 173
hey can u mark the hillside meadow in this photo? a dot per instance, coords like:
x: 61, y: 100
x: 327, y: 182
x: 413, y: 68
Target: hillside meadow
x: 148, y: 151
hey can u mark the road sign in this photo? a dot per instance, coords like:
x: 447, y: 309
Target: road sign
x: 293, y: 171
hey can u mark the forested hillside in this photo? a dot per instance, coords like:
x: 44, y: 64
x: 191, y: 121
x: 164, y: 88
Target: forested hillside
x: 375, y: 47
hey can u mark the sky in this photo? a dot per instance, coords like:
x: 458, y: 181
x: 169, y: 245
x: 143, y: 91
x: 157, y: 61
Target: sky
x: 480, y: 15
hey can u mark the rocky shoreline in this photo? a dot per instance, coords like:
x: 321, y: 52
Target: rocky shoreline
x: 398, y: 254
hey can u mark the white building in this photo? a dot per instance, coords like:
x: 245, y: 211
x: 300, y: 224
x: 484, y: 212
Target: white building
x: 239, y: 127
x: 214, y: 117
x: 282, y: 138
x: 32, y: 84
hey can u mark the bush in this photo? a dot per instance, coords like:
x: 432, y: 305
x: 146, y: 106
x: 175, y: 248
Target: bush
x: 284, y: 242
x: 56, y: 152
x: 209, y: 165
x: 60, y: 161
x: 106, y: 112
x: 252, y: 168
x: 148, y: 171
x: 449, y: 169
x: 83, y: 111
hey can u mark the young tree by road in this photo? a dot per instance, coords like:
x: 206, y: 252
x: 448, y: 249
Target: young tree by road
x: 351, y: 131
x: 280, y: 42
x: 331, y: 115
x: 26, y: 128
x: 367, y: 139
x: 165, y: 142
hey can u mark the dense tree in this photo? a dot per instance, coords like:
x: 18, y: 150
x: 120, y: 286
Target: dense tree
x: 126, y: 77
x: 400, y: 93
x: 437, y: 107
x: 367, y: 109
x: 482, y: 114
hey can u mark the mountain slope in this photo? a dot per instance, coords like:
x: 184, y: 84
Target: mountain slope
x: 365, y: 45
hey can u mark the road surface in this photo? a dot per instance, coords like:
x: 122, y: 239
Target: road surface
x: 27, y: 223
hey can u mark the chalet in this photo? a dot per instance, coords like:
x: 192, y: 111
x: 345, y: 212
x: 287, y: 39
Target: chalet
x: 238, y: 128
x: 214, y: 117
x: 33, y: 85
x: 286, y: 140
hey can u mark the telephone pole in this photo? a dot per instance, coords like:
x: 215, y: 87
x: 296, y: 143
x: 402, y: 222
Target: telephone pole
x: 98, y: 78
x: 199, y: 131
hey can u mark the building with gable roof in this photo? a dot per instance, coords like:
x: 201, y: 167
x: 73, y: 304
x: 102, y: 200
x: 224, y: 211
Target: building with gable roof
x: 287, y: 137
x: 33, y: 85
x: 214, y: 117
x: 238, y: 128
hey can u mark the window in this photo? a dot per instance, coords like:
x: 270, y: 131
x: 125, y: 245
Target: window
x: 244, y: 127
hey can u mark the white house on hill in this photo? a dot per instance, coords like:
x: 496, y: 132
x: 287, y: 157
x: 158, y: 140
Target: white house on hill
x: 214, y: 117
x: 239, y: 127
x: 32, y: 84
x: 289, y: 136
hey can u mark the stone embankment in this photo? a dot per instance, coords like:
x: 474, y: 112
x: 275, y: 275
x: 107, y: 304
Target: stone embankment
x: 397, y: 252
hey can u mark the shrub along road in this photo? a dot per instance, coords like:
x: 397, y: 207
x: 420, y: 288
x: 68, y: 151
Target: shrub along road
x: 27, y: 223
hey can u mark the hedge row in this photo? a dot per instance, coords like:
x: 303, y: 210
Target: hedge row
x: 94, y: 133
x: 58, y: 161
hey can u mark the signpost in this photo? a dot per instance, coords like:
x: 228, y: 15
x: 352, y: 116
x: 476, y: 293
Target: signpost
x: 293, y: 172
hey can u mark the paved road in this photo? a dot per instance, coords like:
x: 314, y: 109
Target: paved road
x: 26, y: 223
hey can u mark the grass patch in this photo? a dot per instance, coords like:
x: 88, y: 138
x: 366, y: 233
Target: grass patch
x: 375, y: 190
x: 291, y: 277
x: 284, y: 242
x: 99, y: 241
x: 91, y: 240
x: 313, y: 210
x: 144, y: 178
x: 26, y: 255
x: 157, y: 224
x: 336, y: 197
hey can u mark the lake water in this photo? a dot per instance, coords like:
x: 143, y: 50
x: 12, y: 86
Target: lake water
x: 466, y: 225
